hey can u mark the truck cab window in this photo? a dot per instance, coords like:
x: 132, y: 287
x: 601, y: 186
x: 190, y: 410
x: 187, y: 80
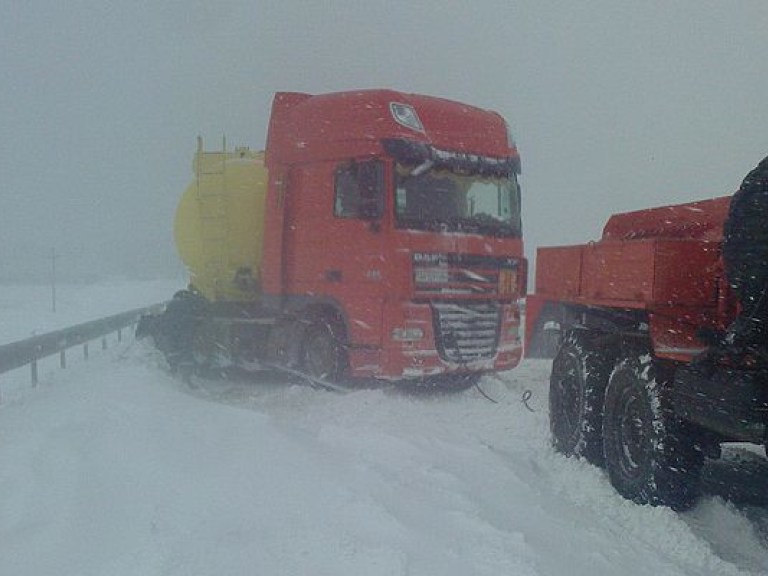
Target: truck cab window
x: 359, y: 190
x: 444, y: 200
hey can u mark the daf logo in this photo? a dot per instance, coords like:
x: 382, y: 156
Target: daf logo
x: 427, y: 258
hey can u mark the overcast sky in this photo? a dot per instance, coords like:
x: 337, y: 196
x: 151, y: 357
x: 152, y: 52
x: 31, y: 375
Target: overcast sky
x: 615, y: 104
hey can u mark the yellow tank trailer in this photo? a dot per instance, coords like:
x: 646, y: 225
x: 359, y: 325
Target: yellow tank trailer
x: 220, y: 221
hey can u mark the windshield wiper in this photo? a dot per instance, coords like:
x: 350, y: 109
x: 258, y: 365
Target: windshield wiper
x: 477, y: 224
x: 487, y: 224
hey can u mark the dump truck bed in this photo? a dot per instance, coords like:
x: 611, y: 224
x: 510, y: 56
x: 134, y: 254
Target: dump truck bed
x: 663, y: 261
x: 644, y: 274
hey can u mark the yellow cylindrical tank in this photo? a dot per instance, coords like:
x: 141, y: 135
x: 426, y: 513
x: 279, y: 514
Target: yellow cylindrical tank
x: 220, y: 222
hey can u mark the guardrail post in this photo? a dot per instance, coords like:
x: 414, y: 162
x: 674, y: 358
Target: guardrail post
x: 85, y: 351
x: 119, y: 335
x: 63, y: 359
x: 33, y: 369
x: 104, y: 343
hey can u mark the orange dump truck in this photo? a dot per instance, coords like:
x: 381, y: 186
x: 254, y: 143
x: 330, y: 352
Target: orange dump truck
x: 624, y: 317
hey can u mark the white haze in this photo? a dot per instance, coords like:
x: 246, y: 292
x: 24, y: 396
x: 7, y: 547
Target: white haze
x: 616, y: 105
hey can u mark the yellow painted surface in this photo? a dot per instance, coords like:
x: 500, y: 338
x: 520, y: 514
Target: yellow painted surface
x: 219, y: 224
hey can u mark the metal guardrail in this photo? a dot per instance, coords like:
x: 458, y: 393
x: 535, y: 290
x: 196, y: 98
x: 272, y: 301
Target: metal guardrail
x: 28, y: 351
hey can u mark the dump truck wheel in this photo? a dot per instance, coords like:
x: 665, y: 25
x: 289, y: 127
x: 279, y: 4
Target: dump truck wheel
x: 648, y: 454
x: 576, y: 390
x: 323, y: 354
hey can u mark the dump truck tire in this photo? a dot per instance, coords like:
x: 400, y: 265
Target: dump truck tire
x: 576, y: 390
x: 648, y: 454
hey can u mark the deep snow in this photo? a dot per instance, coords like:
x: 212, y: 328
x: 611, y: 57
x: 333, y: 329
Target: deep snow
x: 113, y: 466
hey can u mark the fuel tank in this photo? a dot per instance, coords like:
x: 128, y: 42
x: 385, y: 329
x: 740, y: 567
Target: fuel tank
x: 220, y: 222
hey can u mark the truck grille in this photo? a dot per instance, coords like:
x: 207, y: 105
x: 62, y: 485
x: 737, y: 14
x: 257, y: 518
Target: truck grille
x: 464, y: 276
x: 466, y: 331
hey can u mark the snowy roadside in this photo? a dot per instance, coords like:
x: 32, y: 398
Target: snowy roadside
x: 117, y: 468
x: 27, y: 310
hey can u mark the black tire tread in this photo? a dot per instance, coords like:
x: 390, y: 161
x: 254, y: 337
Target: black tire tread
x: 586, y: 367
x: 670, y: 467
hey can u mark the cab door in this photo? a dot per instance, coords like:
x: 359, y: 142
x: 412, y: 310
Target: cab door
x: 337, y: 239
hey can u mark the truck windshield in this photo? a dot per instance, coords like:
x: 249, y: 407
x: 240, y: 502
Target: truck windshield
x: 442, y: 200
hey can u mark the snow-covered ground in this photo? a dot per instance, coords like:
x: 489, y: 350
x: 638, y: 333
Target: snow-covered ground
x: 114, y: 467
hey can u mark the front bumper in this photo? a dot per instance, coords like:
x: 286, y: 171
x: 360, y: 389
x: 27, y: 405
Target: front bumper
x: 455, y: 337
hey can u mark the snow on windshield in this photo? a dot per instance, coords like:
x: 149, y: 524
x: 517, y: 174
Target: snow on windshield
x: 457, y: 202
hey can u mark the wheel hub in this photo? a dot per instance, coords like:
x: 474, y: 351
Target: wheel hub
x: 631, y: 436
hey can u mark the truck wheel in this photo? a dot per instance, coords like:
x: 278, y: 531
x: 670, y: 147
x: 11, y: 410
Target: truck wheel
x: 323, y: 353
x: 177, y: 331
x: 649, y: 456
x: 576, y: 389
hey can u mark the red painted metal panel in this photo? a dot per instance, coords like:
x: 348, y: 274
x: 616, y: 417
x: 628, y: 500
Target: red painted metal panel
x: 635, y: 274
x: 687, y: 273
x: 558, y: 272
x: 618, y: 272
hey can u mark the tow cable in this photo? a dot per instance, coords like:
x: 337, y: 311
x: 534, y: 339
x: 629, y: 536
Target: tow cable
x: 314, y: 382
x: 450, y: 340
x: 477, y: 386
x: 527, y: 395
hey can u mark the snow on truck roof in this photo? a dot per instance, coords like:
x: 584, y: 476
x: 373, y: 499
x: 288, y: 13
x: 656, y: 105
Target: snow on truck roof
x: 701, y: 220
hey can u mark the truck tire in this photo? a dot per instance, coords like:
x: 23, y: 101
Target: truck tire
x: 323, y: 352
x: 576, y: 389
x: 648, y: 454
x: 176, y: 331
